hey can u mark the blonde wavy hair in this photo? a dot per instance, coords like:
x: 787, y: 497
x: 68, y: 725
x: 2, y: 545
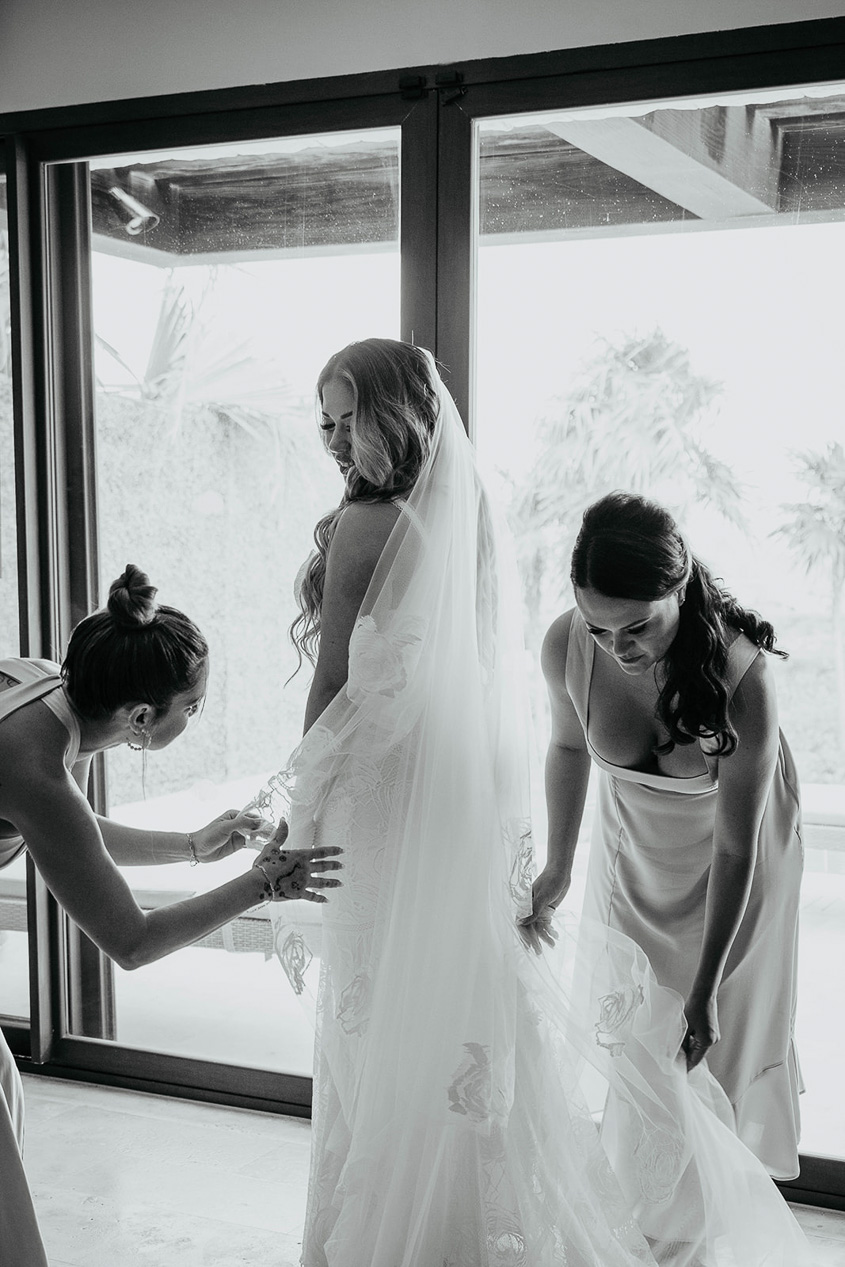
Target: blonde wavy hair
x: 395, y: 413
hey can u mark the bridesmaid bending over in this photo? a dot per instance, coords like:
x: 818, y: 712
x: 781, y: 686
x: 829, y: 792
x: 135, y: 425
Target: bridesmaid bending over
x: 134, y: 673
x: 656, y: 677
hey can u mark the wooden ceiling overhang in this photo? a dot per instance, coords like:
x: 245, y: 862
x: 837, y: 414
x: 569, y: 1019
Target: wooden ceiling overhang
x: 548, y: 177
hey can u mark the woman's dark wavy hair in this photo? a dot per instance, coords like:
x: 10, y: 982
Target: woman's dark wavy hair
x: 132, y: 651
x: 629, y: 547
x: 396, y: 409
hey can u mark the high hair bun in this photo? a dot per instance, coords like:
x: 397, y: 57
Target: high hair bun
x: 132, y: 599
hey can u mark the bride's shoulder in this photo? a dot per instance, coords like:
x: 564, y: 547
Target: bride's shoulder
x: 363, y: 528
x: 368, y: 517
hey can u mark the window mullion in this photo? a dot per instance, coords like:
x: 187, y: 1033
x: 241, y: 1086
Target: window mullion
x: 90, y: 975
x: 35, y: 524
x: 418, y: 222
x: 455, y: 267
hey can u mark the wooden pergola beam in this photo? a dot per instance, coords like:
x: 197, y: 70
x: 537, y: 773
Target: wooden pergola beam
x: 719, y: 174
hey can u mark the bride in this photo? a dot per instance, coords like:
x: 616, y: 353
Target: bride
x: 475, y: 1104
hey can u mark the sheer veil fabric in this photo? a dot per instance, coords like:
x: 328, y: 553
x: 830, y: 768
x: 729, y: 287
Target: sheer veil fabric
x: 476, y: 1105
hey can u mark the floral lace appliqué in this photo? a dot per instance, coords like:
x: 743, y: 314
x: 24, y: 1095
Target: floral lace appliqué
x: 295, y: 958
x: 272, y: 802
x: 507, y: 1249
x: 615, y: 1014
x: 382, y: 663
x: 518, y: 835
x: 471, y: 1089
x: 353, y: 1010
x: 306, y: 775
x: 659, y: 1159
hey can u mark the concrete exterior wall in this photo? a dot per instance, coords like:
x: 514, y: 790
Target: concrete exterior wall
x: 53, y: 53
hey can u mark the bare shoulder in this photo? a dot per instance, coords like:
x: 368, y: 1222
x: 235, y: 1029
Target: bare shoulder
x: 555, y: 648
x: 567, y: 731
x: 754, y: 716
x: 32, y: 748
x: 356, y: 547
x: 363, y: 530
x: 755, y: 695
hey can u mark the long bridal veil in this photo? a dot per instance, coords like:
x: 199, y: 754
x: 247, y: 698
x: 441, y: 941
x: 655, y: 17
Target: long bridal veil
x: 474, y: 1104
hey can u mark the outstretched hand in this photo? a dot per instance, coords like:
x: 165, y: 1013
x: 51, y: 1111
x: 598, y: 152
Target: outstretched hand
x: 549, y: 889
x: 227, y: 833
x: 293, y: 874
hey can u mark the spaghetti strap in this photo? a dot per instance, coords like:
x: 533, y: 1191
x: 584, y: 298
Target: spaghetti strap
x: 32, y: 680
x: 39, y: 680
x: 741, y: 655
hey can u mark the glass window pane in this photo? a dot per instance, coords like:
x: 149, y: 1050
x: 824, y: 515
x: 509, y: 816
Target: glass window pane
x: 223, y: 278
x: 659, y: 306
x: 14, y: 963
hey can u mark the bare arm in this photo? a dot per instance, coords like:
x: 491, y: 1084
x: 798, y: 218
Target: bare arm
x: 567, y: 759
x: 63, y: 836
x: 567, y: 776
x: 135, y: 847
x: 138, y: 847
x: 744, y: 781
x: 361, y: 535
x: 66, y: 845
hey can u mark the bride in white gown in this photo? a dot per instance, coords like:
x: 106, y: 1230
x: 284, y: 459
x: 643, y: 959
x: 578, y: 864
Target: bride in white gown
x: 475, y: 1104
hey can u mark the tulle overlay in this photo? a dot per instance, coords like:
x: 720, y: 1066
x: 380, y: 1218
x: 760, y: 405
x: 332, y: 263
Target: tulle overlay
x: 476, y: 1105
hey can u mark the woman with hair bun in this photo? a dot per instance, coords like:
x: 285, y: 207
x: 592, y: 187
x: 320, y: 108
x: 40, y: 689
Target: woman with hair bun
x: 696, y: 852
x: 135, y: 673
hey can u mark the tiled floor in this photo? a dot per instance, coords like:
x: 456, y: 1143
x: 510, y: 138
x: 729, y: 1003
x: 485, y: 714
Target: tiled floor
x: 128, y: 1180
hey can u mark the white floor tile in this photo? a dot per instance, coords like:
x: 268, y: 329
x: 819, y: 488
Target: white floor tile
x: 122, y: 1179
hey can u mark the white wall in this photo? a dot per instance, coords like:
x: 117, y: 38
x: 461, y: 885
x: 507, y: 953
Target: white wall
x: 62, y: 52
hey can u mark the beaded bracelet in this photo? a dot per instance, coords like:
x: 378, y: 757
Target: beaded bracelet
x: 192, y: 849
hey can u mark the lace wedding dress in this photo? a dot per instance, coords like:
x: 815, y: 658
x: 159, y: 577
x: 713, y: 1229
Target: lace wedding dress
x: 476, y: 1105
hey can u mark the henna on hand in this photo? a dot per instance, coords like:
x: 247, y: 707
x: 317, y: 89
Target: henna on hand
x: 294, y: 872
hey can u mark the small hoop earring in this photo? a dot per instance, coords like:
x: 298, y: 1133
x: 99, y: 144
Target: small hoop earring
x: 143, y: 745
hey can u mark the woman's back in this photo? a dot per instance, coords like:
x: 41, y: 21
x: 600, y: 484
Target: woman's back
x: 25, y: 682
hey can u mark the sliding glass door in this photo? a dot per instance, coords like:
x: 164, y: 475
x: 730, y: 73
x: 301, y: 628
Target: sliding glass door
x: 222, y: 279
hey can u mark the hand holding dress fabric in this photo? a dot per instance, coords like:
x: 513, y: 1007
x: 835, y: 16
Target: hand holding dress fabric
x: 226, y: 834
x: 549, y: 890
x: 702, y: 1028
